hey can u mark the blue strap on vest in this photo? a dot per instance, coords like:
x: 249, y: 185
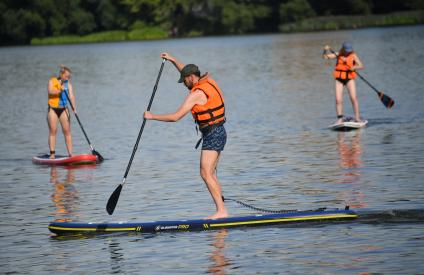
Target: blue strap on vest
x: 63, y: 98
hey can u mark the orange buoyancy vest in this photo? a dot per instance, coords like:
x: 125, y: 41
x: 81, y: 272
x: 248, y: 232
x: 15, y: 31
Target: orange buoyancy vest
x: 213, y: 111
x: 58, y: 100
x: 343, y: 66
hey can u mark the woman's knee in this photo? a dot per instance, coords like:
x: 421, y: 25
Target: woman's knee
x: 67, y: 132
x: 52, y: 131
x: 66, y: 127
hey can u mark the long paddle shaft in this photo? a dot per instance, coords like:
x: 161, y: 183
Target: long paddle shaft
x: 385, y: 99
x: 99, y: 157
x: 113, y: 200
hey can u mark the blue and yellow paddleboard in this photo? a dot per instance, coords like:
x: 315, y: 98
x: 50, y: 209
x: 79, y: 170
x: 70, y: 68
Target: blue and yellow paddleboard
x: 319, y: 215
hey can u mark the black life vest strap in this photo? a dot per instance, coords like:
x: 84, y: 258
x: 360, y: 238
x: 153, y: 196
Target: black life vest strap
x: 213, y: 118
x: 343, y: 71
x: 211, y: 110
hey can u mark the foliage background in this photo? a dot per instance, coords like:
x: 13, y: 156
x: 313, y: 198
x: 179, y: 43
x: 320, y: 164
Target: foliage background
x: 23, y: 20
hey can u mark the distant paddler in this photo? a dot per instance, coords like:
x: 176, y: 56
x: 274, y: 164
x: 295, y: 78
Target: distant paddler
x: 59, y: 90
x: 206, y: 103
x: 344, y: 73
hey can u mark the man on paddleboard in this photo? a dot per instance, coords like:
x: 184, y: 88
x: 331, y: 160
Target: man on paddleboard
x: 206, y: 103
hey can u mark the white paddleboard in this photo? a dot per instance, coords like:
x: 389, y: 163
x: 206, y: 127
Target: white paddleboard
x: 348, y: 124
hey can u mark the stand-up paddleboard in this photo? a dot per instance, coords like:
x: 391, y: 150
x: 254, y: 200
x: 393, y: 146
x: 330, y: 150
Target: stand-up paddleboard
x: 65, y: 160
x: 348, y: 124
x: 319, y: 215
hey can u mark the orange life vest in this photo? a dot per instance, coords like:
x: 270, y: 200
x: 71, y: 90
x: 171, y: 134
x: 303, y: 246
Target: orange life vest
x: 213, y: 111
x: 59, y: 100
x: 342, y: 69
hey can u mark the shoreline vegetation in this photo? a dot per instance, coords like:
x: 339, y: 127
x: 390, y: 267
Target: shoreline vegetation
x: 147, y: 33
x: 319, y: 23
x: 340, y: 22
x: 48, y: 22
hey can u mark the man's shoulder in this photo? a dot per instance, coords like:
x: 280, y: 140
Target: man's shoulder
x: 197, y: 92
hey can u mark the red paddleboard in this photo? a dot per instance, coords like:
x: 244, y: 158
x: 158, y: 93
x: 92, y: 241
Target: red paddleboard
x: 65, y: 160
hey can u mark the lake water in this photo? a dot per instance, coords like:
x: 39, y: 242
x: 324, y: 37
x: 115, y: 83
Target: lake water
x: 279, y: 155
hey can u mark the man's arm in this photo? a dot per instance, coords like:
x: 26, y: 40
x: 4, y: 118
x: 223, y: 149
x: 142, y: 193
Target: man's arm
x: 174, y: 61
x: 197, y: 97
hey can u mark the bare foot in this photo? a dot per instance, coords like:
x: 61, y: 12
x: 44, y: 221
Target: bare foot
x: 219, y: 215
x: 340, y: 120
x: 52, y: 156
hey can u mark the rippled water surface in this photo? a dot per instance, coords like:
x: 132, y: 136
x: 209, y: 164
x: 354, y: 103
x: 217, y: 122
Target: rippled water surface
x: 279, y: 155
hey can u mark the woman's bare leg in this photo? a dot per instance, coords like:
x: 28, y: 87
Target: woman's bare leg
x: 66, y: 128
x: 52, y: 120
x: 339, y: 101
x: 351, y: 87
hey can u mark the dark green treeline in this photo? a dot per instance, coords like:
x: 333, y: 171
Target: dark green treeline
x: 22, y: 20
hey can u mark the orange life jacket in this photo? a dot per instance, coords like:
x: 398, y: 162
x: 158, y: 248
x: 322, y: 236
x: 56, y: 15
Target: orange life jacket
x: 59, y: 100
x: 342, y: 69
x: 213, y: 111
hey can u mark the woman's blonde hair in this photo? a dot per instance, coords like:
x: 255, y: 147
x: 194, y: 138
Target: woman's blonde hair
x: 63, y: 69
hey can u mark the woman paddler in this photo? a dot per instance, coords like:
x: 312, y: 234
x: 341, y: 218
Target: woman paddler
x: 344, y: 73
x: 59, y: 90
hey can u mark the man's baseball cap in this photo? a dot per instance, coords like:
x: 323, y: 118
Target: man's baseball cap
x: 347, y: 46
x: 188, y: 69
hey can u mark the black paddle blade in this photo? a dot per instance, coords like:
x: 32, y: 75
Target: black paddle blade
x: 113, y: 200
x: 386, y: 100
x: 99, y: 157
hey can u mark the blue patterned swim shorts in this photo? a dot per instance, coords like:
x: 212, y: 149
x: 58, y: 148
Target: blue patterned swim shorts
x: 215, y: 139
